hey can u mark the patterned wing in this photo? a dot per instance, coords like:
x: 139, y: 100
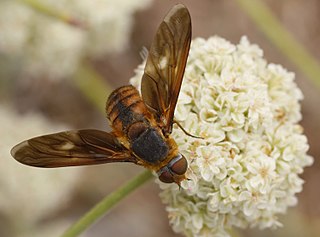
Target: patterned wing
x: 165, y: 65
x: 71, y: 148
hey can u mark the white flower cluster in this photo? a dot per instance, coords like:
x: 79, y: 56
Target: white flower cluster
x: 28, y: 195
x: 245, y: 172
x: 45, y: 45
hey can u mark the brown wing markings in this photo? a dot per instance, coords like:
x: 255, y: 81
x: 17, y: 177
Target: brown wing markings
x: 180, y: 23
x: 165, y: 65
x: 71, y: 148
x: 156, y: 92
x: 179, y: 74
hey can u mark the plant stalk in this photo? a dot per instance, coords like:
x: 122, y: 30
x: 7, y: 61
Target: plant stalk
x: 106, y: 204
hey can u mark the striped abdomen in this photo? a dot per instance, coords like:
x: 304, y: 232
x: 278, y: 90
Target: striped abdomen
x: 134, y: 125
x: 124, y: 107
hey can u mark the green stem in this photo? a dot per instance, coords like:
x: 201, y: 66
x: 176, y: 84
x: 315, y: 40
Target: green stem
x: 281, y: 38
x: 106, y: 204
x: 55, y: 13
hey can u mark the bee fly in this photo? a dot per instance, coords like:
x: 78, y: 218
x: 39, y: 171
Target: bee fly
x: 141, y: 125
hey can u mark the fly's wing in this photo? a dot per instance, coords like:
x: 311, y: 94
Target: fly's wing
x: 71, y: 148
x: 165, y: 65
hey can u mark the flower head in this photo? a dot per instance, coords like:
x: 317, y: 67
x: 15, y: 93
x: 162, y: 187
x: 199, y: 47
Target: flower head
x: 245, y: 172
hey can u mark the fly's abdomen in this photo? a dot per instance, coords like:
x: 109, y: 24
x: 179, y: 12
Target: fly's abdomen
x: 125, y: 107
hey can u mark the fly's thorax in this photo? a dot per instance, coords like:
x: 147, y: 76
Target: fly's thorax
x: 125, y: 107
x: 148, y: 143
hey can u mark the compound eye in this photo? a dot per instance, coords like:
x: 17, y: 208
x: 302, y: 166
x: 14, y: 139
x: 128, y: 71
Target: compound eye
x: 179, y: 166
x: 165, y: 176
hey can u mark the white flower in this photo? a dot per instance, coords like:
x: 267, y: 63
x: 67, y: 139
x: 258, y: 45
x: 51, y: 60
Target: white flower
x: 29, y: 195
x: 46, y: 46
x: 245, y: 172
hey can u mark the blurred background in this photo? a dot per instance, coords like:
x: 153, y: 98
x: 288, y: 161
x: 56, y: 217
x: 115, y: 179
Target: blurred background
x: 56, y: 62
